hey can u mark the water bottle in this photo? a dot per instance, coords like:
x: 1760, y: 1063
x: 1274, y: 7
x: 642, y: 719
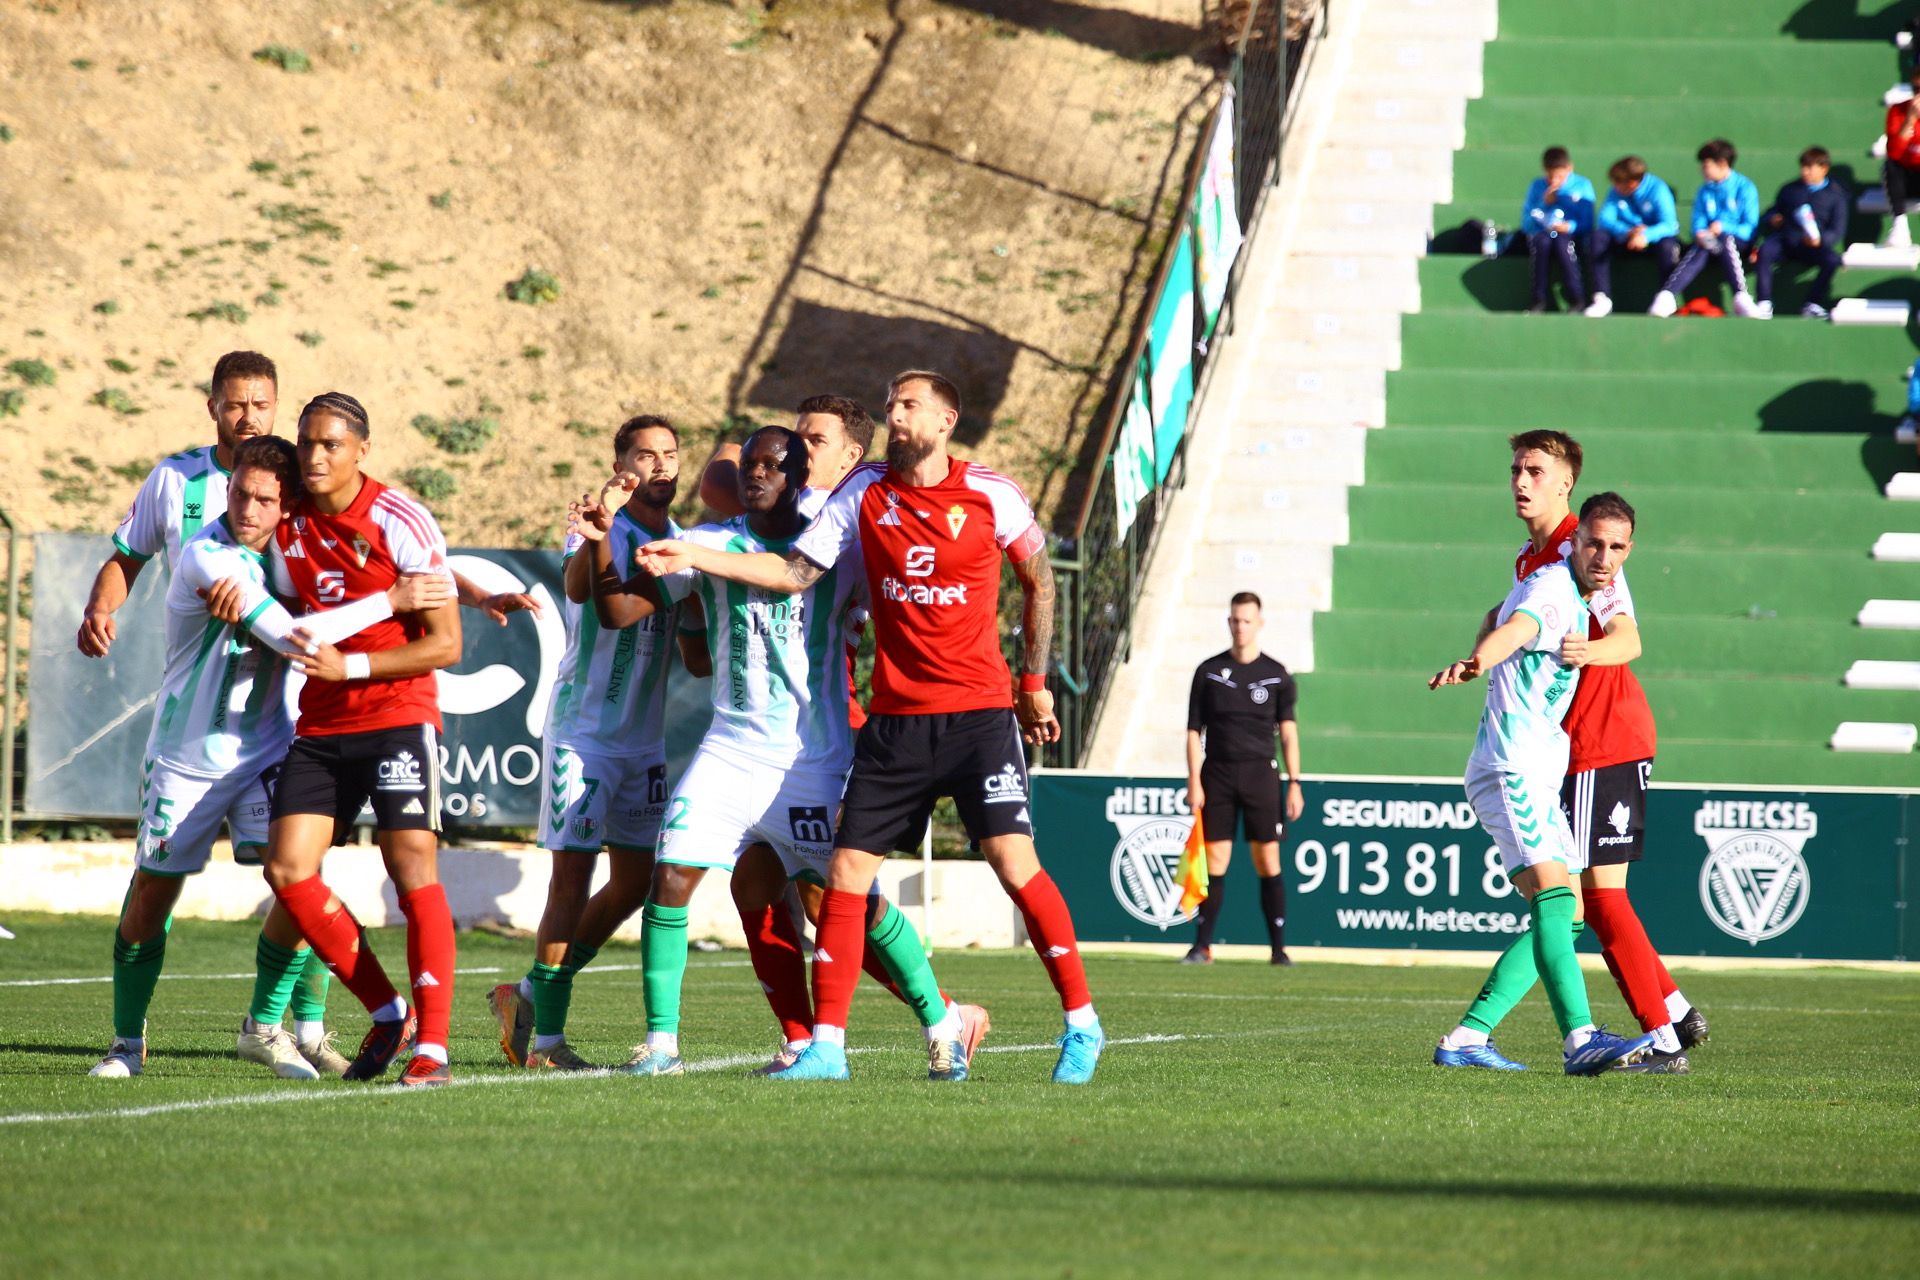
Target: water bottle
x: 1808, y: 227
x: 1489, y: 240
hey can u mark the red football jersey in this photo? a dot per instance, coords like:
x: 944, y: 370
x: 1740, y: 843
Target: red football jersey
x: 1558, y: 548
x: 933, y: 571
x: 326, y: 561
x: 1610, y: 721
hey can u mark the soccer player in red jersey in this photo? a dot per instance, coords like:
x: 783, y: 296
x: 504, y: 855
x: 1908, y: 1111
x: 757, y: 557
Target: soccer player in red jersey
x: 368, y: 731
x: 944, y: 719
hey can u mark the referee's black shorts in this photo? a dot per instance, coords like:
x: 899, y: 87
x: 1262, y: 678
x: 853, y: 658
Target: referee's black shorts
x: 1246, y: 792
x: 397, y: 770
x: 1606, y: 809
x: 902, y: 764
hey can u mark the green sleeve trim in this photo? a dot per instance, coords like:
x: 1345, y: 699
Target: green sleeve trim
x: 1537, y: 621
x: 125, y: 550
x: 258, y: 609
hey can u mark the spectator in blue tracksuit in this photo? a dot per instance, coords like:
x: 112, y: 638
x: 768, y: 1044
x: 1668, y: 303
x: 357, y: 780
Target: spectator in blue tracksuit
x: 1808, y: 223
x: 1726, y: 211
x: 1557, y: 217
x: 1636, y: 217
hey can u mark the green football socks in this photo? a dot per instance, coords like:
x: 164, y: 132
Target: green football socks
x: 1513, y: 975
x: 552, y: 997
x: 898, y: 945
x: 276, y: 972
x: 136, y: 971
x: 1553, y: 953
x: 310, y: 992
x: 663, y: 961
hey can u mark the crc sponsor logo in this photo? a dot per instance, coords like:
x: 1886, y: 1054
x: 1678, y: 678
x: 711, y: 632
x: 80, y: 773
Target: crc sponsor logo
x: 920, y: 593
x: 1754, y: 883
x: 1009, y: 786
x: 401, y: 772
x: 920, y: 561
x: 810, y: 824
x: 1143, y: 865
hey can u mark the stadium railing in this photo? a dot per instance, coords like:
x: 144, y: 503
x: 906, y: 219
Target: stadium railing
x: 1100, y: 565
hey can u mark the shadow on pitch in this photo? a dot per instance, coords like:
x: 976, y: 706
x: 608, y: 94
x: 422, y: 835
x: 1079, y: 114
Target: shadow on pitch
x: 93, y: 1051
x: 1648, y: 1195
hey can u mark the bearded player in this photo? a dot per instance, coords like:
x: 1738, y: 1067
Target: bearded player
x: 369, y: 732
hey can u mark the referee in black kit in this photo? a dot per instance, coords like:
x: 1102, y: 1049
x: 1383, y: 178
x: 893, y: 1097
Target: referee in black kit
x: 1239, y: 699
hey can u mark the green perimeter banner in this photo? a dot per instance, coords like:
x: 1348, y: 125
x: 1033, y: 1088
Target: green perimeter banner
x: 1394, y: 864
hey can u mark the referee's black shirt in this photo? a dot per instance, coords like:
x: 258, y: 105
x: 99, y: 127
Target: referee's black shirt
x: 1236, y: 705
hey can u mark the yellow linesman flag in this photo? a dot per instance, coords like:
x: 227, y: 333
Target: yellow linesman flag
x: 1191, y: 874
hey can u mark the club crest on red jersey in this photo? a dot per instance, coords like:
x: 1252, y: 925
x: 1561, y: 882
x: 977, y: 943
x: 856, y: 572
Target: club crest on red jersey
x: 361, y: 550
x: 956, y: 519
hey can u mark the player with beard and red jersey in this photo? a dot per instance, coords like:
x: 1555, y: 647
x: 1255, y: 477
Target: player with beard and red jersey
x: 945, y: 719
x: 368, y: 731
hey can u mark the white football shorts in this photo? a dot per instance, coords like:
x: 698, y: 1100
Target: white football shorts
x: 1524, y: 819
x: 592, y: 799
x: 725, y: 802
x: 181, y: 813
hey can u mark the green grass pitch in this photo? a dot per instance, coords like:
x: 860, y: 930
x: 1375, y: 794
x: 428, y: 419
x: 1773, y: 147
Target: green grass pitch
x: 1246, y: 1121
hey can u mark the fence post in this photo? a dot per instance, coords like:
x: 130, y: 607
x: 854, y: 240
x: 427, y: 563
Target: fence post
x: 8, y: 719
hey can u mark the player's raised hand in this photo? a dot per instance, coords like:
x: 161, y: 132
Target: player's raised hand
x: 321, y: 662
x: 617, y: 490
x: 418, y: 592
x: 1574, y: 649
x: 498, y: 606
x: 664, y: 556
x: 1034, y: 710
x: 1455, y: 673
x: 224, y: 599
x: 96, y: 633
x: 588, y: 518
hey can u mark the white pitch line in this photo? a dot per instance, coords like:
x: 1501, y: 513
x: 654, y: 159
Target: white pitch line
x: 279, y: 1096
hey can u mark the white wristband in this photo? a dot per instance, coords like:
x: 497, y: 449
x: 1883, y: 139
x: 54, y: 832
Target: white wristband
x: 359, y: 666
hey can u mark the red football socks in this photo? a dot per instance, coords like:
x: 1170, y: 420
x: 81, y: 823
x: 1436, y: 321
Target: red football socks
x: 1630, y: 956
x: 773, y: 945
x: 841, y: 937
x: 430, y: 959
x: 1050, y: 929
x: 337, y: 939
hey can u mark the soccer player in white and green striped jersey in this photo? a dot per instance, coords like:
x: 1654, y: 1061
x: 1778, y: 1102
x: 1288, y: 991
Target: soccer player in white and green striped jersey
x: 773, y: 764
x: 185, y: 492
x: 221, y: 725
x: 605, y: 764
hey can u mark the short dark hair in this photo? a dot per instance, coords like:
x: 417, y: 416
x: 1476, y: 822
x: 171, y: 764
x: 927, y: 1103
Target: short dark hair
x: 1556, y: 158
x: 340, y: 405
x: 942, y: 386
x: 272, y: 454
x: 1817, y: 155
x: 1607, y: 506
x: 242, y: 364
x: 1555, y: 444
x: 1717, y: 149
x: 1244, y: 597
x: 857, y: 423
x: 623, y: 437
x: 1627, y: 169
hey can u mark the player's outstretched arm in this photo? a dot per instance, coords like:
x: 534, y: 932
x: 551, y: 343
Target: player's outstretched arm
x: 1034, y: 707
x: 1494, y: 648
x: 617, y: 602
x: 110, y: 588
x: 786, y: 574
x: 1617, y: 648
x: 496, y: 606
x: 438, y: 648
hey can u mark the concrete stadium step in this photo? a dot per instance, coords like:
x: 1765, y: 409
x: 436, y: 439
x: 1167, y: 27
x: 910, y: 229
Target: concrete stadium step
x: 1373, y: 280
x: 1269, y: 456
x: 1389, y: 216
x: 1783, y: 584
x: 1348, y: 130
x: 1440, y: 19
x: 1681, y: 120
x: 1890, y: 615
x: 1288, y: 572
x: 1299, y: 509
x: 1588, y: 400
x: 1299, y: 396
x: 1426, y: 172
x: 1681, y: 517
x: 1676, y: 644
x: 1407, y: 65
x: 1618, y: 458
x: 1883, y: 737
x: 1657, y: 65
x: 1458, y: 282
x: 1750, y: 20
x: 1301, y: 321
x: 1871, y: 673
x: 1287, y: 635
x: 1640, y: 344
x: 1897, y: 548
x: 1335, y: 354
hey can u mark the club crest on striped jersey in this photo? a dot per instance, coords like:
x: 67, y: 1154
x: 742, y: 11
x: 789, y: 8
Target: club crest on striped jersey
x: 361, y: 550
x: 956, y: 519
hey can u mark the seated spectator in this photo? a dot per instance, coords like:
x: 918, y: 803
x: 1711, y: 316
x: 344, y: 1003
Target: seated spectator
x: 1808, y: 223
x: 1902, y: 171
x: 1636, y: 217
x: 1725, y: 213
x: 1557, y: 216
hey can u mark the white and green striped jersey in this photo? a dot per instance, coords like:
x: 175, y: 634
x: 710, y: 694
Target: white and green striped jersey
x: 227, y: 700
x: 178, y: 498
x: 610, y: 694
x: 780, y: 680
x: 1529, y: 693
